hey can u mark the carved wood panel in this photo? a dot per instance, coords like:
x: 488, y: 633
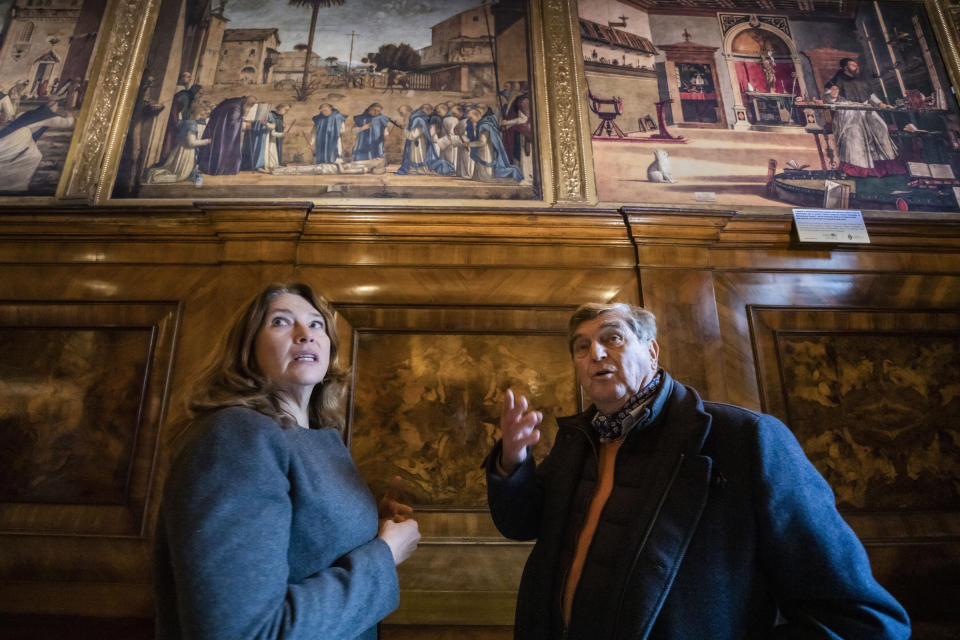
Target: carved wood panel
x: 81, y: 399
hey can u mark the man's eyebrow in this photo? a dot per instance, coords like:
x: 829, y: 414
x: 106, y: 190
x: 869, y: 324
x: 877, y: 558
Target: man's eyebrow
x: 613, y: 324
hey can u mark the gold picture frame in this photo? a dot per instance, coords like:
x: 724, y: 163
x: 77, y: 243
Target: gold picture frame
x: 94, y: 157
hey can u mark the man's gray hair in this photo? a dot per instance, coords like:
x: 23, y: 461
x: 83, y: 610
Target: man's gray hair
x: 641, y: 322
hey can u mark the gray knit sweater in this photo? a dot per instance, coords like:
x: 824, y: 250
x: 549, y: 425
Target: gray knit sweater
x: 267, y: 532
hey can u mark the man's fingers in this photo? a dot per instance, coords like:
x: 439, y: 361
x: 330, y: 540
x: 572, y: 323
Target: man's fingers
x: 507, y: 405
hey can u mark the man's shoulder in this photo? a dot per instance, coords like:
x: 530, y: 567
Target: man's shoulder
x: 732, y: 412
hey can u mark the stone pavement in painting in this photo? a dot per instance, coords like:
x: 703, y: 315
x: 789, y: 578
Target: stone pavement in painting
x: 730, y: 164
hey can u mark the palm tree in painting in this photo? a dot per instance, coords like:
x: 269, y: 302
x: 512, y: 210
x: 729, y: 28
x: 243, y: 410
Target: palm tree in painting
x: 315, y: 5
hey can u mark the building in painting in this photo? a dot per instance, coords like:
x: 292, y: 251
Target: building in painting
x: 48, y: 43
x: 247, y: 56
x: 473, y: 50
x: 288, y: 66
x: 203, y: 37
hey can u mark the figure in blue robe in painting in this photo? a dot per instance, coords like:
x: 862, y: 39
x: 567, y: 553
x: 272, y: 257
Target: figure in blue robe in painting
x: 327, y: 127
x: 255, y: 141
x: 491, y: 162
x: 420, y: 152
x: 224, y: 129
x: 371, y: 129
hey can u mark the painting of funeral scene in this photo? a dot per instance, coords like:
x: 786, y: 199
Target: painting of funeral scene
x: 45, y: 51
x: 808, y: 103
x: 334, y: 98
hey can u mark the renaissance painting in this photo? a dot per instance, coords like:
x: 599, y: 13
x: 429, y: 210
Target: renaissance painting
x: 334, y: 98
x: 45, y: 53
x: 810, y: 103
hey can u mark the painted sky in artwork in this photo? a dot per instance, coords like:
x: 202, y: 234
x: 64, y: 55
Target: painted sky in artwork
x: 375, y: 23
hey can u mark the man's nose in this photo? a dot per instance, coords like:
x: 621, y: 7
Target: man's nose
x: 597, y: 352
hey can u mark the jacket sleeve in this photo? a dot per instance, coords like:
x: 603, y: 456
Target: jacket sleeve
x: 515, y: 500
x: 226, y: 521
x: 819, y: 568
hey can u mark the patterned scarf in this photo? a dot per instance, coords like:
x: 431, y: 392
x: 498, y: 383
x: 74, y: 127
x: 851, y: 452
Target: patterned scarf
x: 614, y: 426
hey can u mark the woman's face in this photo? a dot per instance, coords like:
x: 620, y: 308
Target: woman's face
x: 292, y: 348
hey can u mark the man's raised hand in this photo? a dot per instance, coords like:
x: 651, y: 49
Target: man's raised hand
x: 519, y: 429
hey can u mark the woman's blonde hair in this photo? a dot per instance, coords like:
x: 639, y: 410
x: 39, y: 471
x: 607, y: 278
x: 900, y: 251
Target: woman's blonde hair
x: 234, y: 378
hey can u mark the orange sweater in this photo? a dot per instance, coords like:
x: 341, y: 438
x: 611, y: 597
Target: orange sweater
x: 605, y: 466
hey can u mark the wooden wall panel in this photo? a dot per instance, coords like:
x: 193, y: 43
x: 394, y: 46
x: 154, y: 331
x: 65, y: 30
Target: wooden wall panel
x: 730, y: 292
x: 797, y: 341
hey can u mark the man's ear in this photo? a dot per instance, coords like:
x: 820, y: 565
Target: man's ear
x: 654, y: 351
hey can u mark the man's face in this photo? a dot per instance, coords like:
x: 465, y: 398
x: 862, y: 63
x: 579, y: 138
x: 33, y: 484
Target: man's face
x: 374, y: 111
x: 852, y: 69
x: 325, y: 109
x: 611, y: 362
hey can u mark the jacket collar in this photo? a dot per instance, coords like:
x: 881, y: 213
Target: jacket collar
x: 689, y: 422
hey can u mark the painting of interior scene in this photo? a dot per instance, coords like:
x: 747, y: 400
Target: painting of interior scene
x: 334, y: 98
x: 45, y: 52
x: 808, y: 103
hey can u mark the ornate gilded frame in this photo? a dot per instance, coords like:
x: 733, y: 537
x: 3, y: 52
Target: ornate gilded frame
x: 566, y: 167
x: 566, y: 163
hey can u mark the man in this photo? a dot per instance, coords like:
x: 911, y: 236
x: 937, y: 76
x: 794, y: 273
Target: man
x: 327, y: 130
x: 659, y: 515
x: 224, y: 130
x: 420, y: 153
x: 864, y: 147
x: 370, y: 127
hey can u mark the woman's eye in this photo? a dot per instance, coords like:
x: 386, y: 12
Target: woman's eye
x: 279, y: 321
x: 316, y: 324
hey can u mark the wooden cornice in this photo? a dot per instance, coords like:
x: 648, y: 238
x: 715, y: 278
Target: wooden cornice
x: 303, y: 234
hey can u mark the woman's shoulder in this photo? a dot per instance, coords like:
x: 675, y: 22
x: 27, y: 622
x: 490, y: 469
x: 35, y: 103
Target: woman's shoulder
x: 239, y: 427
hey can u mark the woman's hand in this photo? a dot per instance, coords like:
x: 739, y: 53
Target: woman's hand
x: 401, y: 537
x: 390, y: 507
x: 519, y: 430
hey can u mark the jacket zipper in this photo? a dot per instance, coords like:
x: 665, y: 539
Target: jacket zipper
x: 566, y: 571
x: 646, y: 537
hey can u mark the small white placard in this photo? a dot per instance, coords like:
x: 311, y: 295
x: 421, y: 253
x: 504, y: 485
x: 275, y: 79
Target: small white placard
x: 830, y: 225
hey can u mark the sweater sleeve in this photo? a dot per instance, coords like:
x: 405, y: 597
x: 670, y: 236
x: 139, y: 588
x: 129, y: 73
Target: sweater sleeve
x: 819, y: 568
x: 226, y: 520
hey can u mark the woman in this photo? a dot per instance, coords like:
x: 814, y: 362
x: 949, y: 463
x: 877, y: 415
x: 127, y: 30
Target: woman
x: 267, y: 529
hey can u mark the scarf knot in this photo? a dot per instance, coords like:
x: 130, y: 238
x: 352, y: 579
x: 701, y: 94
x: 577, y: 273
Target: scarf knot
x: 615, y: 425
